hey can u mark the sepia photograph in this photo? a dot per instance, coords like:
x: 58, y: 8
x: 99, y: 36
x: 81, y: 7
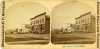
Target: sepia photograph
x: 49, y: 24
x: 26, y: 23
x: 73, y: 23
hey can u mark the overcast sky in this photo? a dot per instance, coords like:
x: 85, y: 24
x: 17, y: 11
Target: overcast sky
x: 67, y: 12
x: 19, y: 12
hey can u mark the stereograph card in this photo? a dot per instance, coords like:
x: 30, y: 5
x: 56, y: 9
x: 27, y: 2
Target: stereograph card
x: 50, y: 24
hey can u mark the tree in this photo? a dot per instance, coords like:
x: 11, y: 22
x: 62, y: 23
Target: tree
x: 29, y: 27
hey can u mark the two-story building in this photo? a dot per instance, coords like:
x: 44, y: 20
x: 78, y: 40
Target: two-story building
x: 40, y: 23
x: 86, y: 23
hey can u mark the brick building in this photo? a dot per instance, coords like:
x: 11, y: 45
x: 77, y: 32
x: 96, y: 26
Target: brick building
x: 41, y: 23
x: 86, y: 23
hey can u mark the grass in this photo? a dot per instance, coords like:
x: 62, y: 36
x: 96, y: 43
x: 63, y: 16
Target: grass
x: 10, y: 39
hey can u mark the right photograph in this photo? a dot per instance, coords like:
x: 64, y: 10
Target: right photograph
x: 73, y: 22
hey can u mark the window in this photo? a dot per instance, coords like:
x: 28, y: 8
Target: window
x: 43, y: 20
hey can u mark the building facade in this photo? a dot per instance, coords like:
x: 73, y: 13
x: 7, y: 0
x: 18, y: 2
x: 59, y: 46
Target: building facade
x: 22, y: 29
x: 86, y: 23
x: 70, y: 28
x: 41, y: 23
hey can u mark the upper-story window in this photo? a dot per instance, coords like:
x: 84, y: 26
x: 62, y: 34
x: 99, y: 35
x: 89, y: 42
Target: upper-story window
x: 40, y: 21
x: 37, y: 21
x: 33, y: 22
x: 43, y: 19
x: 76, y: 22
x: 82, y: 21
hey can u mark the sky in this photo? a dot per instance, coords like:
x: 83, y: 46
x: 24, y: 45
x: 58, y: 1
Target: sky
x: 18, y: 12
x: 67, y: 12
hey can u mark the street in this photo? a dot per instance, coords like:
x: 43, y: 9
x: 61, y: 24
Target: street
x: 70, y: 38
x: 74, y: 38
x: 27, y: 38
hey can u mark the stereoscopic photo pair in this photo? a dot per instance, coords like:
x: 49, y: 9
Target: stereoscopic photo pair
x: 72, y: 22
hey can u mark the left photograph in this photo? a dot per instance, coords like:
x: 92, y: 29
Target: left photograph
x: 26, y: 23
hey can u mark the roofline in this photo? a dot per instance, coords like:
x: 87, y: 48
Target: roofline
x: 38, y: 15
x: 84, y: 14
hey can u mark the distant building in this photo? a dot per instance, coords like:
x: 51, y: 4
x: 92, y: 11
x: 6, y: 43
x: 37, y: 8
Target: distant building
x: 22, y: 29
x: 69, y: 28
x: 86, y: 23
x: 41, y: 23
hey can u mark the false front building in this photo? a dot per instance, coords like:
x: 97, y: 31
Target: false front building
x: 41, y: 23
x: 86, y: 23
